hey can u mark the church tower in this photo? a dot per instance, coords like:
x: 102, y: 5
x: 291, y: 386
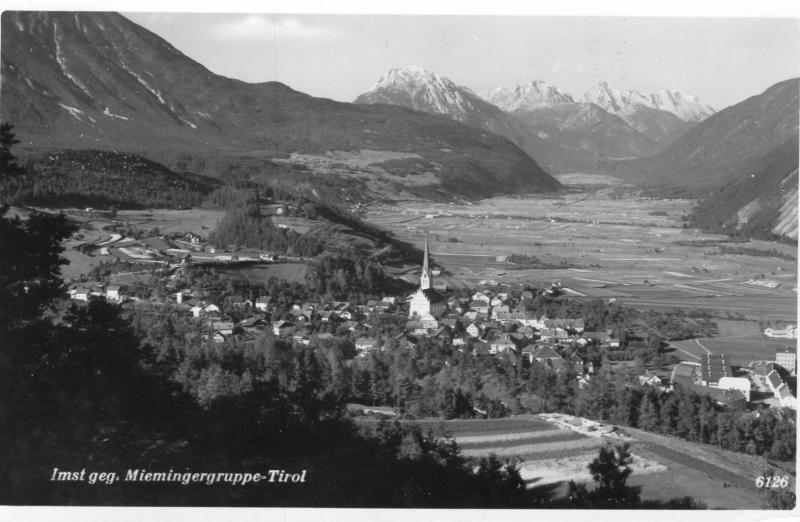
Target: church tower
x: 425, y: 277
x: 426, y: 304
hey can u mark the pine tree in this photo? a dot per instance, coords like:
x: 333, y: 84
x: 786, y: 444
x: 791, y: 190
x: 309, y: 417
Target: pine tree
x: 610, y: 470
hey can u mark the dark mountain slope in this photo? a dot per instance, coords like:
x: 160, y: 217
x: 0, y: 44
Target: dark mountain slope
x: 99, y: 81
x: 715, y: 151
x: 762, y: 202
x: 660, y: 126
x: 588, y: 129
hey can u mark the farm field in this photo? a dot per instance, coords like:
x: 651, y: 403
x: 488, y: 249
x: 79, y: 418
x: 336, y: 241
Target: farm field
x: 294, y: 272
x: 741, y: 350
x: 92, y: 231
x: 633, y: 249
x: 550, y: 455
x: 197, y: 221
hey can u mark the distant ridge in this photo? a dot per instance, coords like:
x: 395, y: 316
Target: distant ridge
x: 91, y: 80
x: 426, y: 91
x: 717, y: 151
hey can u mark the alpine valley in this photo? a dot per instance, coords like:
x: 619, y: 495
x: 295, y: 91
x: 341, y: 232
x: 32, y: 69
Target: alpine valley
x: 222, y: 293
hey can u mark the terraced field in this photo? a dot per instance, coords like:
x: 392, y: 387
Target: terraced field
x: 549, y: 454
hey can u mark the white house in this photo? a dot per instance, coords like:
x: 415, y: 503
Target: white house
x: 262, y: 303
x: 82, y: 294
x: 112, y: 294
x: 473, y: 330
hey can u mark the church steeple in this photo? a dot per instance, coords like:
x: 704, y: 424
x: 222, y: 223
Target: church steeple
x: 425, y: 277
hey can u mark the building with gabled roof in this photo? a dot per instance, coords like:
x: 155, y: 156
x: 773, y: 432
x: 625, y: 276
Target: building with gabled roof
x: 713, y: 367
x: 502, y: 344
x: 112, y: 293
x: 426, y: 301
x: 364, y: 344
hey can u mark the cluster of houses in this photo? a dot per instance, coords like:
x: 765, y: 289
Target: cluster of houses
x: 715, y: 376
x: 85, y: 292
x: 488, y: 323
x: 492, y: 323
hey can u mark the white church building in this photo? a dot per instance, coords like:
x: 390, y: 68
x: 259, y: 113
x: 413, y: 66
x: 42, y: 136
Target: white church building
x: 427, y: 303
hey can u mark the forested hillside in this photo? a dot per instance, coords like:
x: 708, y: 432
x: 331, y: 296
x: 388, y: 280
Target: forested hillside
x: 752, y: 206
x: 102, y: 179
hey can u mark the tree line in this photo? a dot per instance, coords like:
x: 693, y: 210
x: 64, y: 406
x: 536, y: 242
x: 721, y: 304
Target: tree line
x: 102, y: 179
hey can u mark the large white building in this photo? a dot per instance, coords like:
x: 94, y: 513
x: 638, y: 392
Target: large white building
x: 787, y: 358
x: 426, y: 301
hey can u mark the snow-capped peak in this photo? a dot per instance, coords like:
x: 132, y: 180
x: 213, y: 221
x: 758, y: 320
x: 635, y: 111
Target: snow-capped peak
x: 686, y: 107
x: 420, y: 89
x: 410, y: 75
x: 624, y: 103
x: 615, y: 101
x: 530, y: 95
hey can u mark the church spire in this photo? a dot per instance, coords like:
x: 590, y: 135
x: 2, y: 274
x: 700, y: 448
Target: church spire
x: 425, y: 277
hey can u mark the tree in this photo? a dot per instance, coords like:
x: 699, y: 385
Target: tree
x: 8, y: 163
x: 610, y: 471
x: 30, y: 261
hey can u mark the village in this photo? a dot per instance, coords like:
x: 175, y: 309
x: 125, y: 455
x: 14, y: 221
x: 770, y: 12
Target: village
x: 493, y: 321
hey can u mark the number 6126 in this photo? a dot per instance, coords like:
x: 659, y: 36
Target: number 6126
x: 772, y: 482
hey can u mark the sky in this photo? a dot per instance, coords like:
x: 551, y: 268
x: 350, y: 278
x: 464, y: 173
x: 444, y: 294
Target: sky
x: 720, y: 60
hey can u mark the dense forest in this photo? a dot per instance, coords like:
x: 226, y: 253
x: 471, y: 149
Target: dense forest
x: 335, y: 230
x: 103, y: 179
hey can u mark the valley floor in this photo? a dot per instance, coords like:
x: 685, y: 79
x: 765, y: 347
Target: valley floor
x: 601, y: 241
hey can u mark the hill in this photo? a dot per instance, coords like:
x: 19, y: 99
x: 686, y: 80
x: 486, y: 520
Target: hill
x: 716, y: 151
x: 98, y: 81
x: 761, y: 203
x: 92, y: 178
x: 587, y: 129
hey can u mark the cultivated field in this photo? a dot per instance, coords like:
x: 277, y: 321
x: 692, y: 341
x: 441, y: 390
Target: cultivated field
x: 629, y: 248
x: 551, y: 453
x: 295, y: 272
x: 197, y: 221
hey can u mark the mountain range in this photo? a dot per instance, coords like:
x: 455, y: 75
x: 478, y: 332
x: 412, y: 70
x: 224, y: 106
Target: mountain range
x: 423, y: 90
x: 97, y: 81
x: 716, y: 151
x: 90, y: 80
x: 742, y: 162
x: 555, y: 129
